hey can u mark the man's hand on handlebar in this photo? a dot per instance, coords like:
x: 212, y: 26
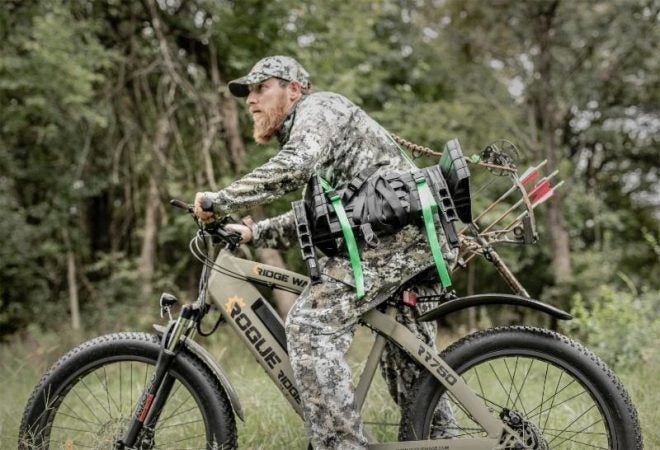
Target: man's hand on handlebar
x: 244, y: 231
x: 203, y: 208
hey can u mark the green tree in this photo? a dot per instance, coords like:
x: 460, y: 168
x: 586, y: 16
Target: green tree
x: 588, y: 101
x: 50, y: 66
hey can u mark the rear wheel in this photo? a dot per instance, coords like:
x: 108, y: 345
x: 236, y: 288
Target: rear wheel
x: 88, y: 397
x: 553, y: 393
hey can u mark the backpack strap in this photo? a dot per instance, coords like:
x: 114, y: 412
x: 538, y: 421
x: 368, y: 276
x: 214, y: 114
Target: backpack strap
x: 356, y: 183
x: 349, y: 237
x: 392, y: 200
x: 429, y: 209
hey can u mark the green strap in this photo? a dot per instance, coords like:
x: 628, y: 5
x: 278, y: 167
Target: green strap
x: 429, y: 208
x: 351, y: 244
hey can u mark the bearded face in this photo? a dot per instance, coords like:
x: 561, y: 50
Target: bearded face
x: 268, y: 106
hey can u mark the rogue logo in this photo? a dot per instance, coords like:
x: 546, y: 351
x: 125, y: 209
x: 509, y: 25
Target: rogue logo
x: 231, y: 301
x: 252, y: 334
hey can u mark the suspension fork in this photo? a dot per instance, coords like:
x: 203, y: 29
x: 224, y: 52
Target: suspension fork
x: 160, y: 384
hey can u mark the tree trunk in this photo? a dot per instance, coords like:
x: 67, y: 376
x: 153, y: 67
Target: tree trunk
x: 72, y: 281
x: 232, y: 134
x: 543, y: 102
x: 149, y: 240
x: 558, y: 235
x: 74, y: 305
x: 152, y: 208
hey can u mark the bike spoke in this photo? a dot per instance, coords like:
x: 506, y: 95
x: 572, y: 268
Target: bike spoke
x: 78, y: 430
x: 106, y: 386
x: 522, y: 385
x: 481, y: 388
x: 179, y: 424
x: 569, y: 425
x: 556, y: 396
x: 172, y: 416
x: 553, y: 397
x: 94, y: 396
x: 75, y: 392
x: 174, y: 411
x: 513, y: 377
x: 590, y: 436
x: 78, y: 418
x: 556, y: 405
x: 497, y: 377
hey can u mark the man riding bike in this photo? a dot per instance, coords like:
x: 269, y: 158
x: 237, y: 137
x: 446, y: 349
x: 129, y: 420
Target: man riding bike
x: 326, y: 134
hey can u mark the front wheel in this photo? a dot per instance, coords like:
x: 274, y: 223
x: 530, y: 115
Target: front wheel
x: 553, y: 392
x: 88, y: 397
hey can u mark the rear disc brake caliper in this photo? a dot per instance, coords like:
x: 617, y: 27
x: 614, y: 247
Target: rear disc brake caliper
x: 527, y: 434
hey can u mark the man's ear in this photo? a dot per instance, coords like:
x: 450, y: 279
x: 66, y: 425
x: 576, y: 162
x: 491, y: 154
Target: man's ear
x: 294, y: 89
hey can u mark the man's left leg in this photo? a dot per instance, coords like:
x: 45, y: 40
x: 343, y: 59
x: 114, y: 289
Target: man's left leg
x: 319, y: 330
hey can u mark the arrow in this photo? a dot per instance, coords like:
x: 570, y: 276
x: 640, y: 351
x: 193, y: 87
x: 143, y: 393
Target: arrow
x: 539, y: 187
x: 527, y: 177
x: 541, y: 198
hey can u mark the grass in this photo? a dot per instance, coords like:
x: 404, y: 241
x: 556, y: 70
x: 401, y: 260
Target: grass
x: 270, y: 422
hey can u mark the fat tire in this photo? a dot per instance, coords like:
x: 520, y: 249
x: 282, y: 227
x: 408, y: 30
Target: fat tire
x: 204, y: 388
x: 596, y: 378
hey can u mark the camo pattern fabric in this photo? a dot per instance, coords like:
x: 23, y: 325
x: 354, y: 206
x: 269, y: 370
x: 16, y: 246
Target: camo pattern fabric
x: 326, y: 134
x: 275, y: 232
x: 283, y: 67
x: 320, y: 328
x: 400, y: 372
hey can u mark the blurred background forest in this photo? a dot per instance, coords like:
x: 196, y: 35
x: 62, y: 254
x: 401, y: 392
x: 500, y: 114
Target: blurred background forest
x: 111, y: 108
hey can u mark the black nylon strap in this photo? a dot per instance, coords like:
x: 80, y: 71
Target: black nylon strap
x: 356, y: 183
x: 392, y: 200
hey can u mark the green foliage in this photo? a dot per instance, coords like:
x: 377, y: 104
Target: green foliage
x: 100, y: 103
x: 23, y: 285
x: 622, y: 326
x: 50, y: 68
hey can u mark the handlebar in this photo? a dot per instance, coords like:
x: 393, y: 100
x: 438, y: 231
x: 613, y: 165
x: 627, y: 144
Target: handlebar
x: 214, y: 229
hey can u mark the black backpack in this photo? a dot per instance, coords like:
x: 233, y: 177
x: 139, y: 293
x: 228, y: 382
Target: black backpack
x: 377, y: 203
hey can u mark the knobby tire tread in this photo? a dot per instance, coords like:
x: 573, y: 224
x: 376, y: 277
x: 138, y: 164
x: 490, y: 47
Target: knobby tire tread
x: 34, y: 412
x: 421, y: 390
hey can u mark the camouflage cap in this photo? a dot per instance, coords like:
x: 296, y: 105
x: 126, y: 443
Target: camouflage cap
x: 283, y: 67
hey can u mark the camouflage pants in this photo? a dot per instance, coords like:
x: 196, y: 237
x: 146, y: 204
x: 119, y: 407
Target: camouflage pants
x: 320, y: 328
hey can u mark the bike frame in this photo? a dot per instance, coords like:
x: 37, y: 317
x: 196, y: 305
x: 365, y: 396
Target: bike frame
x: 231, y: 287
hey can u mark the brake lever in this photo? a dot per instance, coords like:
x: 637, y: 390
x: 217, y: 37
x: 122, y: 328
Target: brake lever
x: 233, y: 238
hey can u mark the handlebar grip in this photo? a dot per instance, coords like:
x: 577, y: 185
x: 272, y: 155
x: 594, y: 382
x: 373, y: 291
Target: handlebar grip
x: 181, y: 204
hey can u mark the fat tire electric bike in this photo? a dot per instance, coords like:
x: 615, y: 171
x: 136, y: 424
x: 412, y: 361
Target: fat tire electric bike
x: 514, y: 387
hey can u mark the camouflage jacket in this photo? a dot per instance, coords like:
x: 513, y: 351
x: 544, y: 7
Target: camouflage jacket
x: 324, y: 134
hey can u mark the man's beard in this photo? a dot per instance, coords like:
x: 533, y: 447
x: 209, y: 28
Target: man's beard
x: 267, y: 123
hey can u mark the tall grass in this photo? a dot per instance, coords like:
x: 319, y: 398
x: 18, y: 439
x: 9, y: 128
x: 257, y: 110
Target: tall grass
x: 270, y: 423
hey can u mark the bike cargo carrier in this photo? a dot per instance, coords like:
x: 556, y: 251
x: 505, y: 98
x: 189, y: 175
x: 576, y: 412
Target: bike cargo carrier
x: 384, y: 203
